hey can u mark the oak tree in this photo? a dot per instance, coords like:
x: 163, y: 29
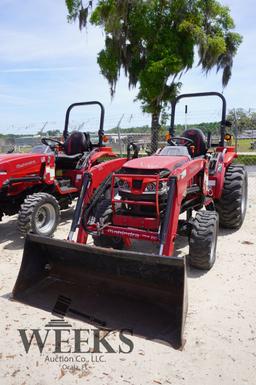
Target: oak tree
x: 155, y: 42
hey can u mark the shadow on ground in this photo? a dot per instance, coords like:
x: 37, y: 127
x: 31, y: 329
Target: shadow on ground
x: 9, y: 235
x: 66, y: 216
x: 14, y: 241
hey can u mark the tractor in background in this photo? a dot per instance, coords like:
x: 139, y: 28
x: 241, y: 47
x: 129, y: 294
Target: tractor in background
x: 37, y: 185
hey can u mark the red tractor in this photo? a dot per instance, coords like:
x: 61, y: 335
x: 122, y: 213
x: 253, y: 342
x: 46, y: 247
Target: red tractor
x: 184, y: 189
x: 149, y: 194
x: 39, y: 184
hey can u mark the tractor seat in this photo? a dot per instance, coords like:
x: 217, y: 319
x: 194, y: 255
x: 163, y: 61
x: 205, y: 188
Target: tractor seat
x: 199, y: 140
x: 67, y: 162
x: 76, y: 144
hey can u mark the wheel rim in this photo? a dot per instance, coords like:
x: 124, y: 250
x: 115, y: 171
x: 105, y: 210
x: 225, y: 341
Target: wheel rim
x: 45, y: 218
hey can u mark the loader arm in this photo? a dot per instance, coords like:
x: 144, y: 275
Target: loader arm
x: 98, y: 174
x: 181, y: 178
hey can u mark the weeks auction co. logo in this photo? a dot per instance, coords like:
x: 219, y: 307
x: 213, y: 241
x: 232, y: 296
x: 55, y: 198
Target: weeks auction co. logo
x: 74, y: 347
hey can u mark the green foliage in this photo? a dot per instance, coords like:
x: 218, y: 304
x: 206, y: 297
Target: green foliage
x: 212, y: 127
x: 134, y: 130
x: 53, y: 133
x: 248, y: 160
x: 244, y: 120
x: 50, y: 133
x: 76, y: 10
x: 154, y: 42
x: 74, y: 7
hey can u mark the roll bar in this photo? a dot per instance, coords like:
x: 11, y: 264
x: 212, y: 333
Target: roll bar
x: 102, y: 116
x: 201, y: 94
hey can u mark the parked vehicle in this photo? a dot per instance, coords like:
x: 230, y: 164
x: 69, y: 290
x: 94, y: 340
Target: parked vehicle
x: 39, y: 184
x: 140, y: 199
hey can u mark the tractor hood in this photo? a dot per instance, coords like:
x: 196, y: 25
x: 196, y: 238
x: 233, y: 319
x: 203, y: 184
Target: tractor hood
x: 156, y: 162
x: 7, y: 158
x: 22, y: 165
x: 19, y: 162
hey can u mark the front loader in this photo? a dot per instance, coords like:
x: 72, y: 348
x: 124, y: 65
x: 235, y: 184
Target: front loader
x: 124, y: 203
x: 109, y: 288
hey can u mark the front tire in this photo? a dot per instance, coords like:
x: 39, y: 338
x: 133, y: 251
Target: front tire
x: 39, y: 214
x: 203, y: 240
x: 232, y: 204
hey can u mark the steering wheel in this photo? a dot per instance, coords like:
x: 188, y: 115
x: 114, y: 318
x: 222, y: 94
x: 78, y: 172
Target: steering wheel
x: 187, y: 142
x: 47, y: 142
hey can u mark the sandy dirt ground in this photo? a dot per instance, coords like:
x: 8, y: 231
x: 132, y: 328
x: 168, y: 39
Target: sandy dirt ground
x: 220, y: 329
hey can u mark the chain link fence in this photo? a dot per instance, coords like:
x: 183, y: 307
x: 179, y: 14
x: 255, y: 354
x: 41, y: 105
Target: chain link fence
x: 243, y: 132
x: 124, y: 128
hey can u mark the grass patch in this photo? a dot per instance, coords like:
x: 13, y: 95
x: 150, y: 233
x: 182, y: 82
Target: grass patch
x: 248, y: 160
x: 244, y: 145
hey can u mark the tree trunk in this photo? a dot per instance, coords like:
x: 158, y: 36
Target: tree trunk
x: 154, y: 131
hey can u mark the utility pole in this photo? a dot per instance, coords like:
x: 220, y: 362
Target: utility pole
x: 236, y: 131
x: 80, y: 126
x: 42, y: 129
x: 186, y: 117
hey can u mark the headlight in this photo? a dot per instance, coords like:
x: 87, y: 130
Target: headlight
x: 151, y: 187
x: 3, y: 173
x: 162, y: 186
x: 123, y: 185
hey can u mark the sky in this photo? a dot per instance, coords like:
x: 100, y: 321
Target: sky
x: 47, y: 64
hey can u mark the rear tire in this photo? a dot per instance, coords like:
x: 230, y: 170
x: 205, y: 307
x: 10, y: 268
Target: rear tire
x: 232, y: 204
x: 203, y: 240
x: 103, y: 215
x: 39, y: 214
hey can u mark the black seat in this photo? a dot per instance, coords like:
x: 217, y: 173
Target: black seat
x: 67, y: 162
x: 199, y: 140
x: 76, y: 144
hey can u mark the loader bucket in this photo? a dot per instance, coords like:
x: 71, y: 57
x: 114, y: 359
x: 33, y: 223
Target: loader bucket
x: 107, y: 288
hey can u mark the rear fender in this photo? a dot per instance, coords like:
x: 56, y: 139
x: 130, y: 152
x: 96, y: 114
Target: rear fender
x: 216, y: 181
x: 229, y: 154
x: 104, y: 153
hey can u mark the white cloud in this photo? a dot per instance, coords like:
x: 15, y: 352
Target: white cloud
x: 40, y: 69
x: 19, y: 46
x: 35, y: 31
x: 47, y: 64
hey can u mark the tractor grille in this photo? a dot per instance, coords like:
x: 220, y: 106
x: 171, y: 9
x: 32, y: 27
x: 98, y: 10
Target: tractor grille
x: 163, y: 173
x: 137, y: 184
